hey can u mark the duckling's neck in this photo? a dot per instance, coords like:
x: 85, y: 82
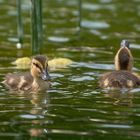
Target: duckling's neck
x: 39, y: 84
x: 123, y: 60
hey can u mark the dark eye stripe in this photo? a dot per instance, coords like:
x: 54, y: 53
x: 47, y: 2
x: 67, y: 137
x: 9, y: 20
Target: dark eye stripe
x: 38, y: 66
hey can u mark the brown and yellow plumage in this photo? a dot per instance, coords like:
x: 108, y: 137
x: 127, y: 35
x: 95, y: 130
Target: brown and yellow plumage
x: 122, y: 77
x: 36, y: 80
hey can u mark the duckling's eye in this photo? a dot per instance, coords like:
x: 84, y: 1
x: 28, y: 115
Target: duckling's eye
x: 37, y: 65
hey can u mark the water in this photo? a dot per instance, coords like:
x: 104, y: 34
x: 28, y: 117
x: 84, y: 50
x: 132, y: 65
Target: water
x: 76, y: 107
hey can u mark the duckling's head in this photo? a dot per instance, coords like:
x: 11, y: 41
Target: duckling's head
x: 124, y: 58
x: 39, y: 68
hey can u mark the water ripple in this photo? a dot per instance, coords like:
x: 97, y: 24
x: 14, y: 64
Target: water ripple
x: 94, y: 66
x: 58, y: 39
x: 83, y: 78
x: 116, y: 126
x: 29, y: 116
x: 95, y: 24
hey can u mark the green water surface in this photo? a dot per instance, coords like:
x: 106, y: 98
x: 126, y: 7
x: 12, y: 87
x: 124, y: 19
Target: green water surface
x: 75, y: 108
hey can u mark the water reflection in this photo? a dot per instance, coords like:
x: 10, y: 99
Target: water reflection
x: 33, y: 113
x: 95, y: 24
x: 75, y: 108
x: 40, y: 102
x: 95, y: 7
x: 58, y: 39
x: 123, y: 97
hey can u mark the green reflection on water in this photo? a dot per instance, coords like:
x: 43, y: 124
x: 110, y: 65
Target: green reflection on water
x: 75, y: 107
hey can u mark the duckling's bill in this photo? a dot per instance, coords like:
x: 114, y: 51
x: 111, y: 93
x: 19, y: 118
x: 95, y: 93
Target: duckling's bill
x: 45, y: 76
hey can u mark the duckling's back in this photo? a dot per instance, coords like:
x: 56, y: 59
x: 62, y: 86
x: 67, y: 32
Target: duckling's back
x: 18, y: 81
x: 119, y: 79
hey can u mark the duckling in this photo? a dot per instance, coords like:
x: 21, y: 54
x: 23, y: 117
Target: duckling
x: 37, y: 80
x: 122, y: 77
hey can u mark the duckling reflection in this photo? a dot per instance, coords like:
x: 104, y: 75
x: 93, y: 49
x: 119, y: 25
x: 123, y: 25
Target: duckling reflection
x: 40, y: 102
x: 37, y: 80
x: 122, y: 77
x: 123, y: 97
x: 32, y: 110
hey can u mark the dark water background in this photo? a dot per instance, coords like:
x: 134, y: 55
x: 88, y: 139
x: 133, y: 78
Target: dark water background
x: 75, y: 108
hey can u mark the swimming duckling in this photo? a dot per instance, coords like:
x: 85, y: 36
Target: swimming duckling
x: 122, y: 77
x: 37, y: 80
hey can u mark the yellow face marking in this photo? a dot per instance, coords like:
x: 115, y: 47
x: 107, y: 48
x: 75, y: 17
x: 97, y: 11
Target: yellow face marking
x: 37, y: 65
x: 130, y: 64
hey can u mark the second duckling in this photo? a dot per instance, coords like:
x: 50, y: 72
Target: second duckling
x: 122, y: 77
